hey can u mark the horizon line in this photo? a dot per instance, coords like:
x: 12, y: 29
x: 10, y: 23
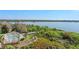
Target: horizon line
x: 29, y: 20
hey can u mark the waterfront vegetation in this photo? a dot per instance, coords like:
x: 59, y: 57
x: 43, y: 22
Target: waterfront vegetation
x: 48, y: 38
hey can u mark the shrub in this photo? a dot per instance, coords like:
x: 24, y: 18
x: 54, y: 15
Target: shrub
x: 6, y: 27
x: 9, y: 47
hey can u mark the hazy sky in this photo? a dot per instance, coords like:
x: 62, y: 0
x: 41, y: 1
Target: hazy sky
x: 40, y: 14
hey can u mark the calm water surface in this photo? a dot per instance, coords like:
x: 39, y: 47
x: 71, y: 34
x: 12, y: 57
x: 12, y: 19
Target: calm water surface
x: 66, y: 26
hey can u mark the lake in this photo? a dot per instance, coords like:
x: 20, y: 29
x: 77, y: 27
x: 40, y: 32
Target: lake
x: 66, y: 26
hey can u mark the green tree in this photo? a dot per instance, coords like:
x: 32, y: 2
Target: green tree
x: 22, y: 28
x: 6, y: 27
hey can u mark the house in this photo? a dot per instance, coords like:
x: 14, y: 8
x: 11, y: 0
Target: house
x: 12, y: 37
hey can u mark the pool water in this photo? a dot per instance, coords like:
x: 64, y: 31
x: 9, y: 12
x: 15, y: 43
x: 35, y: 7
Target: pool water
x: 13, y: 36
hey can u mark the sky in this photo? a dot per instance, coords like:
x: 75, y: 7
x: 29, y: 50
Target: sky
x: 40, y: 14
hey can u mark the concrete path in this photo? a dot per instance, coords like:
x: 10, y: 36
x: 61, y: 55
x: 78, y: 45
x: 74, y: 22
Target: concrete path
x: 26, y: 43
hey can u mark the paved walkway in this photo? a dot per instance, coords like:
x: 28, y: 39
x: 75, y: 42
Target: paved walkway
x: 26, y: 43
